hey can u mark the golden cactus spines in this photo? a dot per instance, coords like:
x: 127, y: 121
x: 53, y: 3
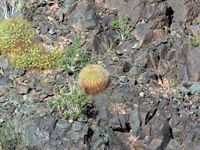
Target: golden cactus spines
x: 93, y: 79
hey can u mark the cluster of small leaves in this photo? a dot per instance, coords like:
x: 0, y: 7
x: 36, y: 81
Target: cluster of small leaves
x: 35, y: 57
x: 198, y: 20
x: 31, y: 10
x: 10, y: 140
x: 122, y: 26
x: 70, y: 105
x: 50, y: 22
x: 73, y: 58
x: 17, y: 38
x: 196, y: 42
x: 15, y: 32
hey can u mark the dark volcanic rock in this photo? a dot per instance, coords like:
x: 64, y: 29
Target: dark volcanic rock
x: 188, y: 69
x: 154, y: 11
x: 143, y: 32
x: 162, y: 51
x: 146, y: 113
x: 22, y: 89
x: 67, y: 8
x: 5, y: 80
x: 166, y: 131
x: 126, y: 66
x: 184, y: 11
x: 154, y: 59
x: 105, y: 22
x: 103, y: 42
x: 91, y: 19
x: 48, y: 124
x: 118, y: 123
x: 84, y: 17
x: 152, y: 100
x: 142, y: 59
x: 20, y: 71
x: 173, y: 145
x: 135, y: 122
x: 155, y: 144
x: 43, y: 29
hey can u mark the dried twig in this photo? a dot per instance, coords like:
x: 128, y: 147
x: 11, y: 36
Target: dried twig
x: 12, y: 8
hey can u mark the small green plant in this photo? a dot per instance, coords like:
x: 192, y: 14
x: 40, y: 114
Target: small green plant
x: 122, y: 26
x: 173, y: 85
x: 31, y: 9
x: 196, y: 42
x: 50, y: 22
x: 198, y: 20
x: 15, y: 33
x: 35, y: 57
x: 70, y: 104
x: 18, y: 38
x: 45, y: 80
x: 73, y: 58
x: 10, y: 140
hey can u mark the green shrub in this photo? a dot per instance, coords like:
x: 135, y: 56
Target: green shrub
x: 70, y: 104
x: 73, y: 58
x: 196, y: 42
x: 122, y: 26
x: 35, y: 57
x: 18, y: 38
x: 15, y: 33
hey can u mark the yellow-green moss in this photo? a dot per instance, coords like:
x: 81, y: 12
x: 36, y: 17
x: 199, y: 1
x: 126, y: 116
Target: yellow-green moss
x: 15, y: 33
x: 18, y: 38
x: 35, y: 57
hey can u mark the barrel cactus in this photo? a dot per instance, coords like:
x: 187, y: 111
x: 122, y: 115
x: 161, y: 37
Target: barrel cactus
x: 93, y: 79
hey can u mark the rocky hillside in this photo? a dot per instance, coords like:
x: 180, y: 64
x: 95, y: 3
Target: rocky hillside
x: 150, y: 49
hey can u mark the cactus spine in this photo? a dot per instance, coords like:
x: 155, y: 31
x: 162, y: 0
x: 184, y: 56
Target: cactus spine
x: 93, y: 79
